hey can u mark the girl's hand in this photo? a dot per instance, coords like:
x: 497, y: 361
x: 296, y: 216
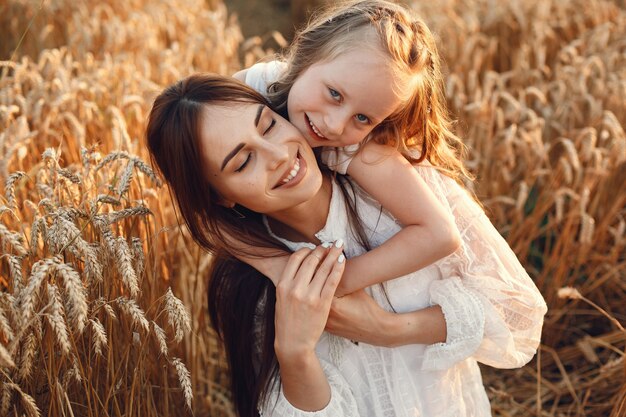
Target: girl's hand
x: 359, y: 318
x: 303, y: 298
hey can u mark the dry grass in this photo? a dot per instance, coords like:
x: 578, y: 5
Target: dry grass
x: 102, y: 299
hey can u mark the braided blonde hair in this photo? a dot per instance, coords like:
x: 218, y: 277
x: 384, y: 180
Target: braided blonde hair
x: 421, y: 127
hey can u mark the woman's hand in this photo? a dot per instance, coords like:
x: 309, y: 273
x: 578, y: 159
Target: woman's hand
x: 303, y: 298
x: 359, y: 318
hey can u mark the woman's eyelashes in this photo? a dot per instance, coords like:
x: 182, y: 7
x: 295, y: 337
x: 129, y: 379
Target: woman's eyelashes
x: 244, y: 163
x: 267, y: 130
x: 270, y: 126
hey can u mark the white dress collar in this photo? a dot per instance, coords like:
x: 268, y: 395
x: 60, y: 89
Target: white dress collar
x: 336, y: 226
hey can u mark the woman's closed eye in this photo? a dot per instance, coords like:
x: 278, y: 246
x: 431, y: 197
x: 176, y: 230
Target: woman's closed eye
x: 269, y: 128
x: 242, y: 166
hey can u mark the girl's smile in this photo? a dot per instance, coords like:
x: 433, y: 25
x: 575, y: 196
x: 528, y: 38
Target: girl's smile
x: 314, y: 131
x: 339, y: 101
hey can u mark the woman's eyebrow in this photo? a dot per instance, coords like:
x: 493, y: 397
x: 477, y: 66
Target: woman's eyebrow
x: 231, y: 154
x: 259, y: 110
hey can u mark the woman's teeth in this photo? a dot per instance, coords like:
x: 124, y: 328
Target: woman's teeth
x: 317, y: 132
x: 294, y: 171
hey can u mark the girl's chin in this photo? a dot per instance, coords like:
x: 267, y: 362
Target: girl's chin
x: 314, y: 145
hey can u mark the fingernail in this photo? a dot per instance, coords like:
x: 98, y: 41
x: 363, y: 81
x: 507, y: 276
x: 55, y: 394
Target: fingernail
x: 339, y: 243
x: 341, y: 258
x: 326, y: 245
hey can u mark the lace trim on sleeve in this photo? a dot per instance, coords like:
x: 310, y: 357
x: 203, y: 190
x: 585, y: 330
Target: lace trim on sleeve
x: 341, y: 404
x: 465, y: 318
x: 514, y: 307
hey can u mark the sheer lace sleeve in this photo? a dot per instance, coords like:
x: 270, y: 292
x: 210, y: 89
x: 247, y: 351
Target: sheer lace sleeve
x: 342, y: 402
x: 465, y: 319
x: 513, y: 307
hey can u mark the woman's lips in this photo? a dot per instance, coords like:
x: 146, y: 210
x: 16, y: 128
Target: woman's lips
x: 296, y: 178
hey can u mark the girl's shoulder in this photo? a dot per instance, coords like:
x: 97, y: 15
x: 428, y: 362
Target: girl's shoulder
x: 338, y: 159
x: 261, y: 75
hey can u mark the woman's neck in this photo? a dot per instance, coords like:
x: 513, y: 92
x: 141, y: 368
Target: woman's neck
x: 302, y: 222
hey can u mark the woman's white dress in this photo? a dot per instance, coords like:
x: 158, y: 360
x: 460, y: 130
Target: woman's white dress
x: 493, y: 312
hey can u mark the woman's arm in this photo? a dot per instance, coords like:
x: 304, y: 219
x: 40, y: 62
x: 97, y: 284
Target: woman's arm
x: 452, y: 328
x: 303, y: 298
x: 270, y: 262
x: 428, y: 234
x: 309, y: 387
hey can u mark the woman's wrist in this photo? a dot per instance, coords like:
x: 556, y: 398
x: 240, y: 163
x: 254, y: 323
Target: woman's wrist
x: 304, y: 382
x: 294, y: 357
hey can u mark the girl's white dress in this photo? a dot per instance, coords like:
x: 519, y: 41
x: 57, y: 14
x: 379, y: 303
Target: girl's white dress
x: 493, y: 311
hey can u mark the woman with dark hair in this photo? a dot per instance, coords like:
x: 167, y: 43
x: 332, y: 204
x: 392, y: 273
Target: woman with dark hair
x: 244, y: 177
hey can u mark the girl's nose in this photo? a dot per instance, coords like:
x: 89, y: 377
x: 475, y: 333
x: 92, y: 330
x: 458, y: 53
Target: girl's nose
x: 336, y: 122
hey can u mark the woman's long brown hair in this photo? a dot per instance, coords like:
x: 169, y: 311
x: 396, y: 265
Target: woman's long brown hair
x: 241, y: 300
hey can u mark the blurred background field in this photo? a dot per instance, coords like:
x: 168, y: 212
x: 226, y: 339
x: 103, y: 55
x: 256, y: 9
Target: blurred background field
x: 102, y: 297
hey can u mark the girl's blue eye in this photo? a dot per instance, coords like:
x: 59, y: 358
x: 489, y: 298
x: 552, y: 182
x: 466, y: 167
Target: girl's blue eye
x: 362, y: 118
x: 334, y: 93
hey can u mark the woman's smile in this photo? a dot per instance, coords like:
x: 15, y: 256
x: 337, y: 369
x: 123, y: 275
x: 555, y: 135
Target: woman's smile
x: 294, y: 175
x: 257, y: 159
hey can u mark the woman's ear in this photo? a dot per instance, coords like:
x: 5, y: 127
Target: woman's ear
x: 216, y: 197
x: 226, y: 203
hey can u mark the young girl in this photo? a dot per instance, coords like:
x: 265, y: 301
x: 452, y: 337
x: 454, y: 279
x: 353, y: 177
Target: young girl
x: 362, y: 81
x: 364, y: 78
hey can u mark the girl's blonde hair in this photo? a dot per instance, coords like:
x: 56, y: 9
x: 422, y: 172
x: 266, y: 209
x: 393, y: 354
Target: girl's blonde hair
x: 422, y: 122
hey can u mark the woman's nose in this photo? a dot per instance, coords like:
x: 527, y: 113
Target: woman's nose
x: 277, y: 154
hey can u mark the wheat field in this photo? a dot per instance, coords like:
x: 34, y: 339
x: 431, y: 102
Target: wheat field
x: 102, y: 295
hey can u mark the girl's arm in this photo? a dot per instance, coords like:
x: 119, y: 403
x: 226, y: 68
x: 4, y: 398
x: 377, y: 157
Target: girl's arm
x: 241, y: 75
x: 513, y: 306
x: 358, y: 317
x: 452, y: 329
x: 429, y: 232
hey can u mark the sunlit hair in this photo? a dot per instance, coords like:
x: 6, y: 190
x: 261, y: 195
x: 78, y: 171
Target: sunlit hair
x: 421, y: 127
